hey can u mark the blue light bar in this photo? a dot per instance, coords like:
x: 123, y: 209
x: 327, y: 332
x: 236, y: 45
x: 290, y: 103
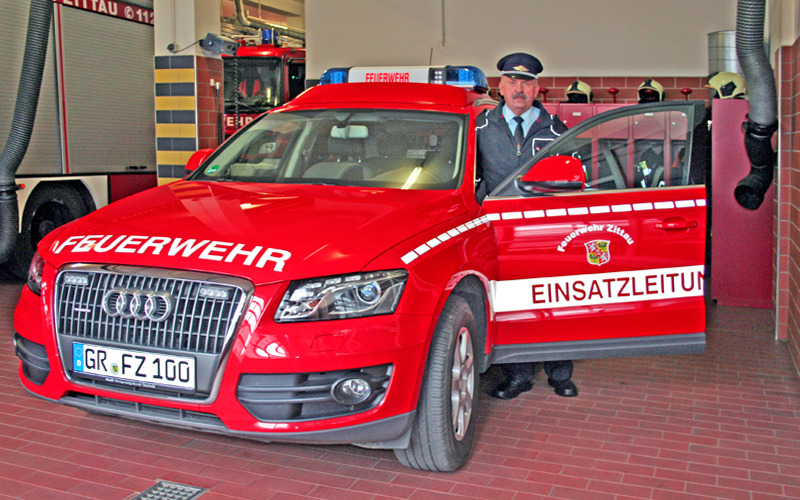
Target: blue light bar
x: 334, y: 75
x: 468, y: 77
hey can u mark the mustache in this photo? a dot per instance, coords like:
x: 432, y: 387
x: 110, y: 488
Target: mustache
x: 520, y: 95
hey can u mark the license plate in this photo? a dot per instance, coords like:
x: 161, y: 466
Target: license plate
x: 134, y: 368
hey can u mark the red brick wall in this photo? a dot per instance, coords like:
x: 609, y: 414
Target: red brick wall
x: 209, y: 103
x: 627, y: 85
x: 788, y: 202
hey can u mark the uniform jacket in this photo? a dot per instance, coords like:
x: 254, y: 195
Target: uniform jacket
x: 497, y: 151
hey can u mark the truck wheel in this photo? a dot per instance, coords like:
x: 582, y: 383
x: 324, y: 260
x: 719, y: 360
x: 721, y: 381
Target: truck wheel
x: 47, y: 208
x: 442, y: 435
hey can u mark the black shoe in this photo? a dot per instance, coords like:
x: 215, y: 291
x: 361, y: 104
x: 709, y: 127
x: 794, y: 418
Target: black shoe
x: 565, y: 389
x: 511, y: 388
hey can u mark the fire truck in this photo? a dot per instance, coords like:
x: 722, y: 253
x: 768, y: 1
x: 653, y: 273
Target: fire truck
x: 261, y: 77
x: 92, y: 141
x: 333, y: 274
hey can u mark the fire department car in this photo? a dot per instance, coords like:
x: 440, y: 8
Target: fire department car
x: 328, y: 275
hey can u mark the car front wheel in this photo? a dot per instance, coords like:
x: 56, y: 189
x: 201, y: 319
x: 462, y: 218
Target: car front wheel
x: 442, y: 435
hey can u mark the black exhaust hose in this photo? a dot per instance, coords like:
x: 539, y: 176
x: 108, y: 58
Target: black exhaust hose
x: 749, y: 192
x: 30, y: 82
x: 762, y: 118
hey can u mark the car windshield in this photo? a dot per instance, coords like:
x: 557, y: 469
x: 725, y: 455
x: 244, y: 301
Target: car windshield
x: 252, y: 84
x: 355, y: 147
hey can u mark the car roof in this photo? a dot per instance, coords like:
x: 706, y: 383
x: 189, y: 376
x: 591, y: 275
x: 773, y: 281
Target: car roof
x: 423, y: 96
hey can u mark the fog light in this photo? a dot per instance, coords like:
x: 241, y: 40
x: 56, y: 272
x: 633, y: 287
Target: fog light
x: 351, y: 391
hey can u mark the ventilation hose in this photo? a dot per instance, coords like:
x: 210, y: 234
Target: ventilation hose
x: 30, y: 82
x: 762, y: 118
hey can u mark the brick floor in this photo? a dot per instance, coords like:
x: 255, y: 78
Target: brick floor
x: 724, y: 424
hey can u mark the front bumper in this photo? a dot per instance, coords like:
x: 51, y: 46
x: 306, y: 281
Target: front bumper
x: 392, y: 349
x: 390, y: 432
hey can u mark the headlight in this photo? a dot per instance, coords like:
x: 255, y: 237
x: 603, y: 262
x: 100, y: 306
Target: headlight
x: 35, y: 273
x: 340, y: 297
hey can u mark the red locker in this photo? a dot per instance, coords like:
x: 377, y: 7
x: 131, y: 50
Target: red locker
x: 741, y: 239
x: 574, y: 113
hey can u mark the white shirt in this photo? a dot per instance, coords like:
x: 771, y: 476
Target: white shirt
x: 529, y: 117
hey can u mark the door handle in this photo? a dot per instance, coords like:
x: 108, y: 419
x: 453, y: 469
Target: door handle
x: 675, y: 224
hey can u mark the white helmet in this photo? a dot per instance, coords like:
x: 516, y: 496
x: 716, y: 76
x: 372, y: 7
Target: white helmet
x: 727, y: 85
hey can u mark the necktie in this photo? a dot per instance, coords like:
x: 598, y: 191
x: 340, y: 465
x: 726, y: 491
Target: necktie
x: 519, y: 136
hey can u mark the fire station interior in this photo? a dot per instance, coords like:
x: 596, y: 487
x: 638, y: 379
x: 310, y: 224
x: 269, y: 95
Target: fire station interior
x: 721, y: 424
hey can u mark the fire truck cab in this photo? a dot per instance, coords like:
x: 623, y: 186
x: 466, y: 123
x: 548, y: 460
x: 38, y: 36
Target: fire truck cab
x: 259, y: 78
x: 328, y: 275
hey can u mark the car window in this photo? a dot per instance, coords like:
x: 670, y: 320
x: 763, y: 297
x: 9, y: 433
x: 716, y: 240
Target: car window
x: 645, y: 150
x: 252, y: 84
x: 648, y: 149
x: 297, y: 77
x: 373, y: 147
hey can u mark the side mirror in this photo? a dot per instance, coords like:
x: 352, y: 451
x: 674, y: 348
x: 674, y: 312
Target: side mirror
x: 197, y: 159
x: 556, y: 174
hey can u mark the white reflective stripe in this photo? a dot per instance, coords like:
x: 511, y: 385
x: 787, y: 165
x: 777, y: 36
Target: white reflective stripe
x: 409, y: 257
x: 534, y: 214
x: 422, y: 249
x: 597, y: 289
x: 596, y: 209
x: 578, y: 211
x: 445, y: 236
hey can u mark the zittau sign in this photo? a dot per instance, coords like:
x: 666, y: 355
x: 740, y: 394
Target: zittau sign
x: 113, y: 8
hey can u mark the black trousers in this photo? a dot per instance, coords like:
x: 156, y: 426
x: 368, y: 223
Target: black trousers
x: 558, y: 371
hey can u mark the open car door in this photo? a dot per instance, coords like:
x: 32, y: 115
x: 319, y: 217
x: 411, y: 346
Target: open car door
x: 602, y: 239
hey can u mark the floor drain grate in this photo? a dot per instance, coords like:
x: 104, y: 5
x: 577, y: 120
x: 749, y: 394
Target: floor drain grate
x: 173, y: 491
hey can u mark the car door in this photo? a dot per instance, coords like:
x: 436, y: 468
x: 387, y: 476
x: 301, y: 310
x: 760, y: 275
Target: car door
x: 616, y: 268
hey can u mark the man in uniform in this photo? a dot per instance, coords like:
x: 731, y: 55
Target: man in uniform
x: 508, y: 136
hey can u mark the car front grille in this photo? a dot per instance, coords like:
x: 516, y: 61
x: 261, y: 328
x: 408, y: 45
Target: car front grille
x: 161, y: 309
x: 144, y: 310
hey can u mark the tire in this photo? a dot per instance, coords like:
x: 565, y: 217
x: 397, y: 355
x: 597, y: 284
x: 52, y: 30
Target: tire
x: 444, y: 428
x: 47, y: 208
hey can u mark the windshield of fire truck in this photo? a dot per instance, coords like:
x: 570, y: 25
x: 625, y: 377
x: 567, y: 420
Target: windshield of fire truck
x: 370, y: 147
x: 252, y: 83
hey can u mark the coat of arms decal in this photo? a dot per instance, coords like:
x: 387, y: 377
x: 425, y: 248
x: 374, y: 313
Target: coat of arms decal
x: 597, y: 252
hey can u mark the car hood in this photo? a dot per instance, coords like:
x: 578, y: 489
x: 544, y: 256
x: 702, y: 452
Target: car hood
x: 263, y: 232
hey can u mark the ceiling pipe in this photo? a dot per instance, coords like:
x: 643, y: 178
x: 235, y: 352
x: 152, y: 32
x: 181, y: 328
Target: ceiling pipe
x: 254, y: 22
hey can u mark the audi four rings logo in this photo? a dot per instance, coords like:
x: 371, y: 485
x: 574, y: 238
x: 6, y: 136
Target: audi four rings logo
x: 139, y: 304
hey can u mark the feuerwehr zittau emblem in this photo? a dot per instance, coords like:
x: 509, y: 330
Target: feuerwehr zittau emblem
x: 597, y: 252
